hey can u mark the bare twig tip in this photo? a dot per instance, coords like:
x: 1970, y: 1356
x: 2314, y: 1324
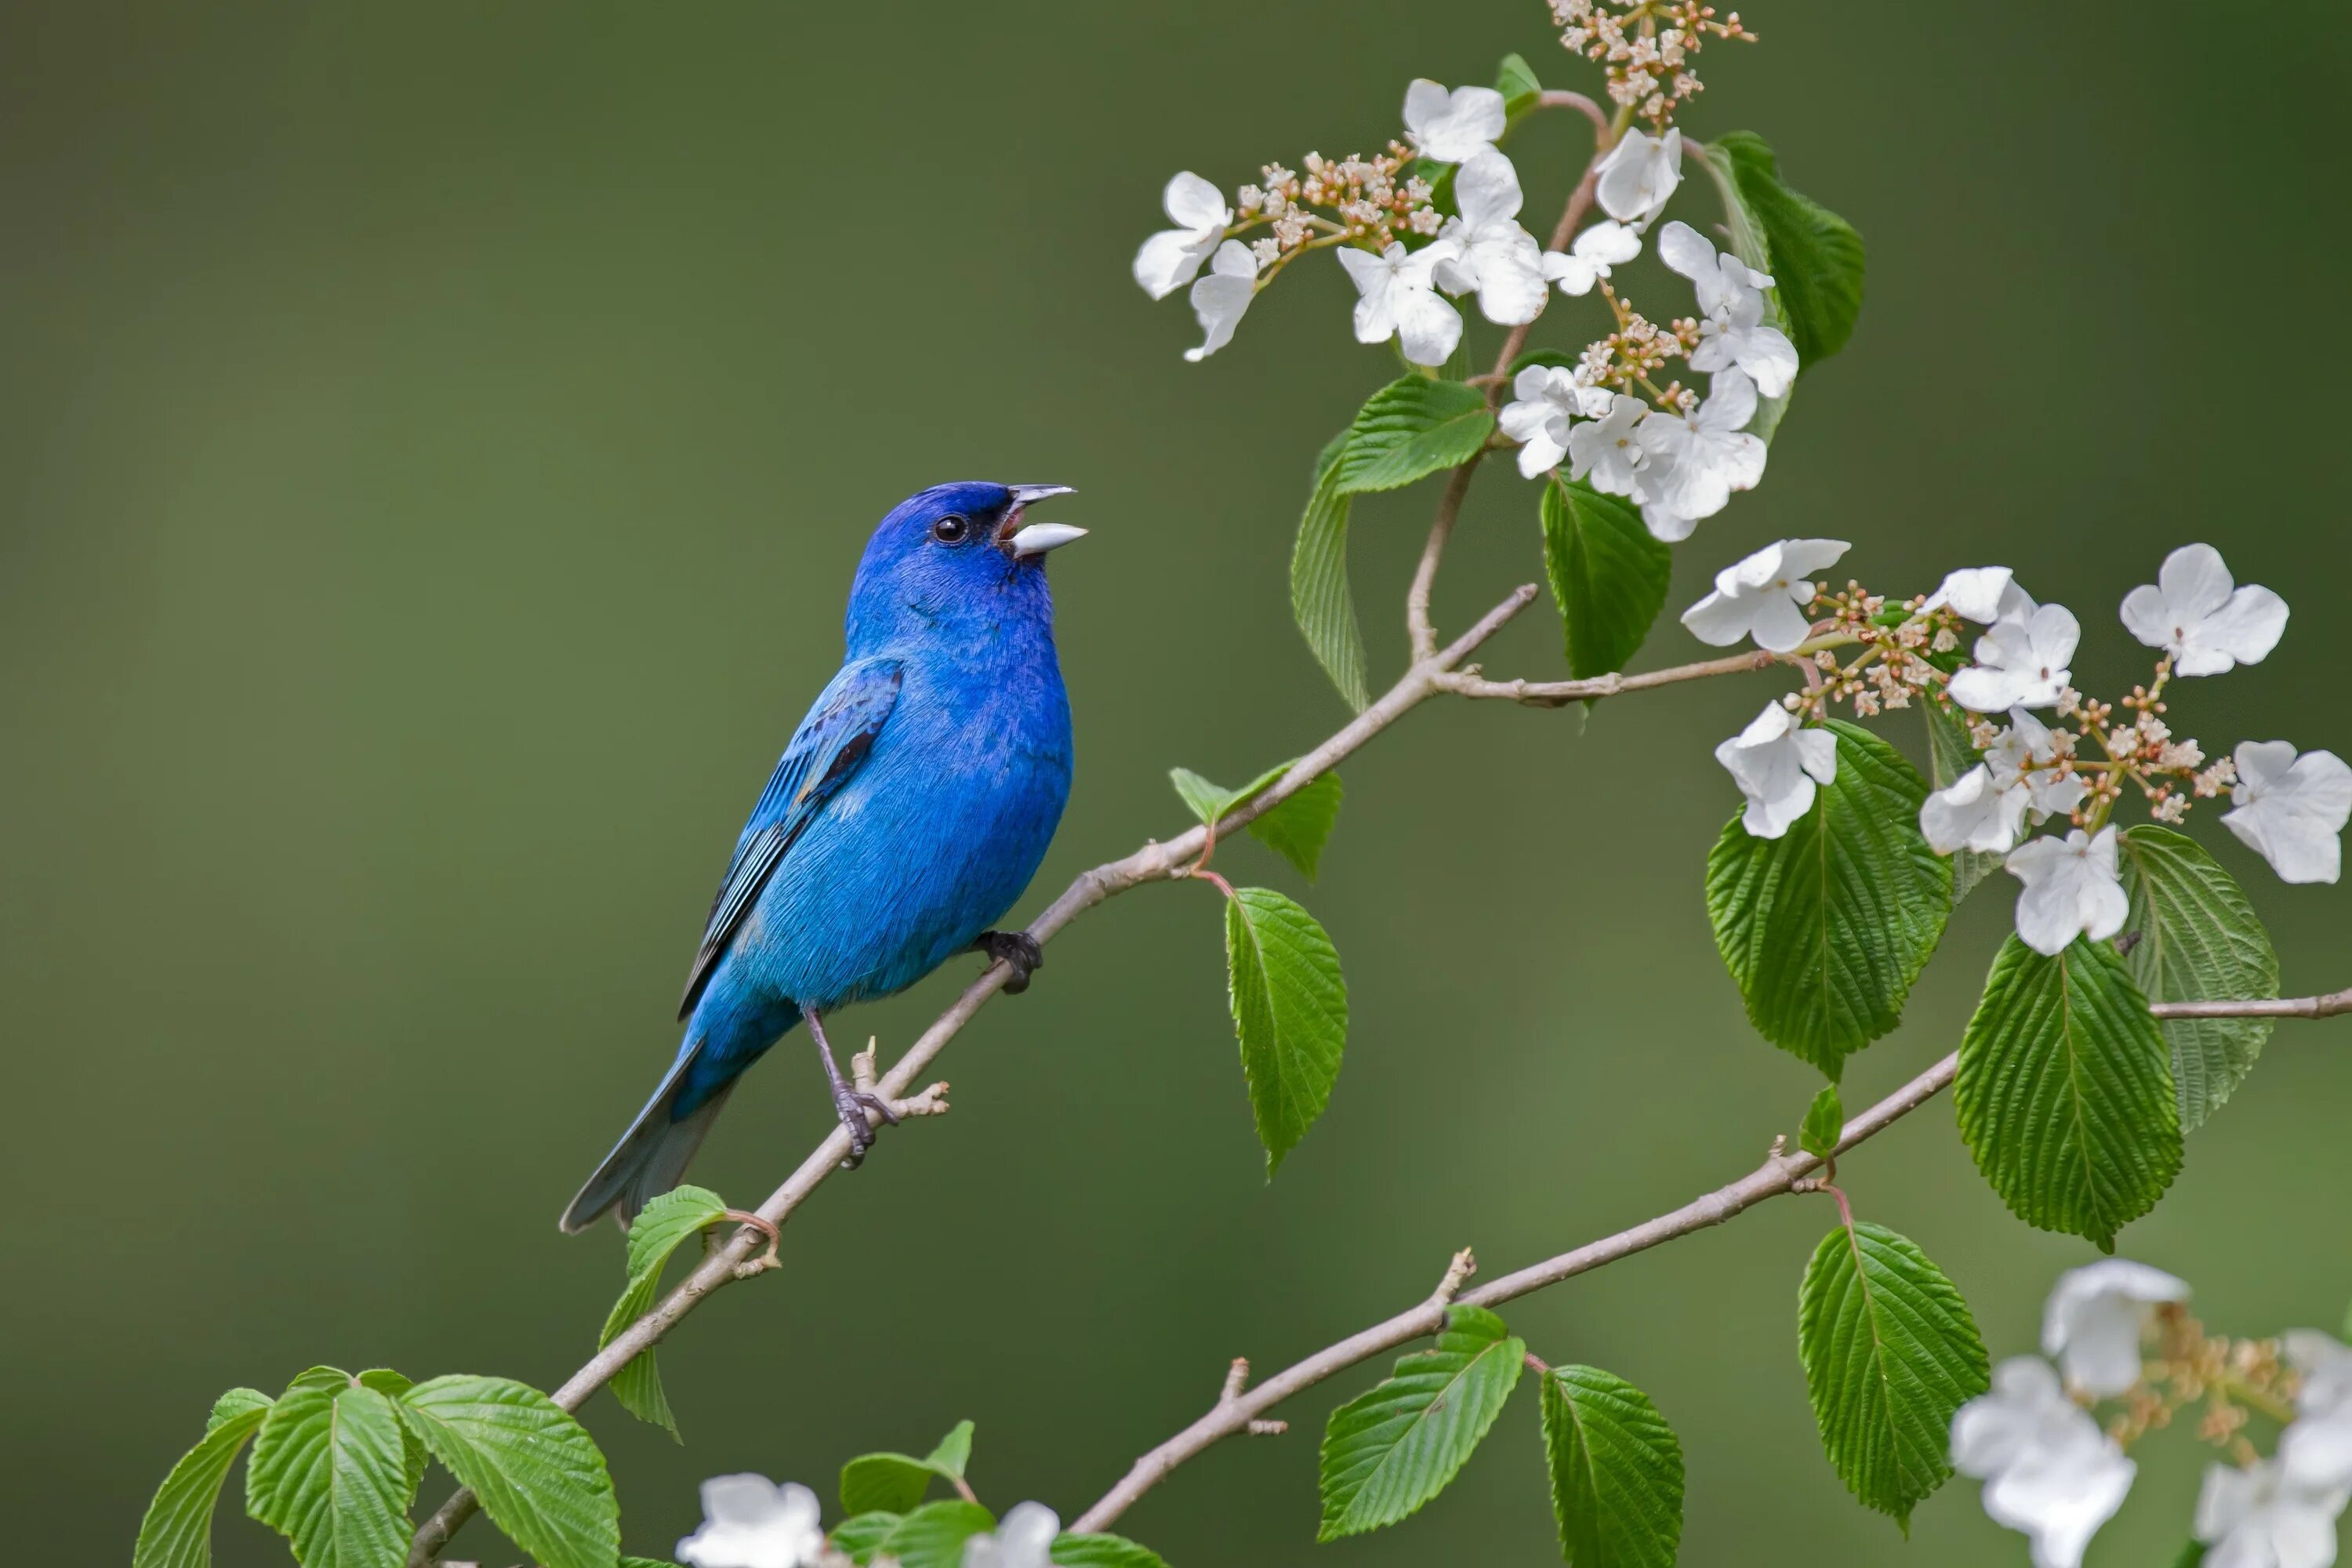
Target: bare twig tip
x: 1456, y: 1272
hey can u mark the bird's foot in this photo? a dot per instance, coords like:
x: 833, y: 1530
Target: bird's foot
x: 851, y: 1105
x: 1018, y: 952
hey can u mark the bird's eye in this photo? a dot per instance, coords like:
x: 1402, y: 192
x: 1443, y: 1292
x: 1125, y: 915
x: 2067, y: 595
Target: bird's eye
x: 950, y: 529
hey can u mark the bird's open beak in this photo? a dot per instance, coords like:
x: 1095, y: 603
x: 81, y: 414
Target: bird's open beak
x: 1037, y: 538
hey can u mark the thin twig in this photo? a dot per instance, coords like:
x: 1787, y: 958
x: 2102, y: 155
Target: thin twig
x: 1557, y: 98
x: 1425, y: 575
x: 1560, y: 694
x: 1780, y: 1172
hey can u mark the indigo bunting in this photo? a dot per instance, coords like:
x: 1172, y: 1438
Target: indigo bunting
x: 907, y: 813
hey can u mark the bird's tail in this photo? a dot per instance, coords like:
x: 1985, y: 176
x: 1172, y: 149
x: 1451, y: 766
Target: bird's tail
x: 651, y: 1155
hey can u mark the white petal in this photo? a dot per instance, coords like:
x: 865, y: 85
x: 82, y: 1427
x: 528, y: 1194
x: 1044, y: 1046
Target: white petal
x: 1767, y: 354
x: 2093, y: 1319
x: 1539, y: 453
x: 1608, y: 243
x: 1730, y: 403
x: 2242, y: 631
x: 1982, y: 689
x: 1684, y: 250
x: 1168, y: 260
x: 1219, y: 300
x: 1575, y: 275
x: 1428, y: 328
x: 2195, y: 581
x: 2148, y: 617
x: 1720, y: 620
x: 1486, y: 188
x: 1973, y: 594
x: 1511, y: 287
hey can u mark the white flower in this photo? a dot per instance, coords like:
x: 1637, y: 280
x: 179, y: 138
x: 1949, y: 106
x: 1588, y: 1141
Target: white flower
x: 1776, y: 764
x: 1548, y: 398
x: 2192, y: 612
x: 2020, y: 663
x: 1219, y: 298
x: 1586, y: 262
x: 1609, y: 450
x: 2071, y: 890
x: 2019, y: 757
x: 1983, y: 594
x: 1696, y: 461
x: 1024, y: 1540
x: 2257, y: 1518
x: 2048, y: 1469
x: 1451, y: 127
x: 1169, y: 259
x: 1399, y: 300
x: 1764, y: 595
x: 2094, y: 1317
x: 1732, y: 328
x: 1639, y: 175
x: 1974, y: 813
x: 2291, y: 808
x: 2316, y: 1450
x: 749, y: 1521
x: 1493, y: 254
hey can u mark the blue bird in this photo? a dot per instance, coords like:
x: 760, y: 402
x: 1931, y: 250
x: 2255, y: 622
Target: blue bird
x: 907, y: 813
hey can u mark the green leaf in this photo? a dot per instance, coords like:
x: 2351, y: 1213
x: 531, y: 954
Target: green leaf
x: 1297, y: 829
x: 1826, y: 927
x: 330, y: 1472
x: 1393, y: 1448
x: 1103, y: 1552
x: 646, y: 1562
x: 1202, y: 799
x: 1951, y: 752
x: 1290, y: 1013
x: 1410, y: 429
x: 2199, y: 940
x: 1816, y: 257
x: 861, y: 1533
x: 2065, y: 1093
x: 178, y: 1529
x: 1320, y: 599
x: 539, y: 1474
x: 1824, y: 1121
x: 1616, y: 1472
x: 1608, y: 576
x: 895, y: 1483
x: 1516, y: 80
x: 1890, y: 1355
x: 659, y: 1228
x: 932, y: 1536
x: 1543, y: 357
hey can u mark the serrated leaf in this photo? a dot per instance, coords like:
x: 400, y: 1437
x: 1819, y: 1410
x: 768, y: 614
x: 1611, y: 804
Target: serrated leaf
x: 1321, y: 602
x: 654, y: 1234
x: 330, y: 1473
x: 1410, y: 429
x: 895, y: 1483
x: 953, y: 1452
x: 2199, y: 940
x: 861, y: 1533
x: 1205, y: 800
x: 1616, y: 1472
x: 1391, y: 1449
x: 933, y: 1535
x: 1951, y: 752
x: 1824, y: 1121
x: 2064, y: 1091
x: 1826, y: 927
x: 538, y: 1474
x: 1290, y: 1013
x: 1103, y: 1552
x: 177, y: 1529
x: 1608, y: 576
x: 1890, y: 1355
x: 1299, y: 827
x: 1817, y: 259
x: 1516, y: 80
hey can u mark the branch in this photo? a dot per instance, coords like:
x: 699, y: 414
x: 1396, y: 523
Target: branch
x: 1560, y: 694
x: 1780, y: 1172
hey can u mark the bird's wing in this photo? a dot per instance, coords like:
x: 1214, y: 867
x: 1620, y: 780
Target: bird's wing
x: 824, y: 752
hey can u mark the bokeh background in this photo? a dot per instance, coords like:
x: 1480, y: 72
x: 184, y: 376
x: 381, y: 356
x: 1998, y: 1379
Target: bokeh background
x: 437, y: 440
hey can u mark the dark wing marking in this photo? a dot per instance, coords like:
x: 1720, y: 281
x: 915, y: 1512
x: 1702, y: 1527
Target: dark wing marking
x: 824, y: 752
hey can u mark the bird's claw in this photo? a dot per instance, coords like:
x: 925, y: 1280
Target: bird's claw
x: 851, y: 1105
x: 1018, y: 952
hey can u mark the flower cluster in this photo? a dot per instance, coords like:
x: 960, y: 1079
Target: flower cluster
x: 2291, y: 808
x: 1649, y: 49
x: 749, y: 1521
x: 2053, y: 1472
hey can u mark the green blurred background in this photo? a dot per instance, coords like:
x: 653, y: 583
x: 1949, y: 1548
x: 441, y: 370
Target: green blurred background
x: 437, y: 439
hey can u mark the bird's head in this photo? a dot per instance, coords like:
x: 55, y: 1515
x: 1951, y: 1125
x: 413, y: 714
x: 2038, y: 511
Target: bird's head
x: 955, y: 556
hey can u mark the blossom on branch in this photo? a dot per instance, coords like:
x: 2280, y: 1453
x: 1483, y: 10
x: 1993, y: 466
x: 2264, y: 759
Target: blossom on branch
x: 1586, y: 262
x: 1764, y: 595
x: 1777, y: 762
x: 1608, y: 452
x: 1491, y: 254
x: 2048, y: 1469
x: 2094, y: 1319
x: 2197, y: 615
x: 1398, y: 298
x: 2023, y: 756
x: 1639, y: 175
x: 1024, y: 1540
x: 2261, y: 1518
x: 1219, y: 298
x: 749, y: 1521
x: 2021, y: 660
x: 2071, y: 889
x: 1546, y: 398
x: 2291, y: 809
x: 1696, y: 459
x: 1451, y: 126
x: 1972, y: 812
x: 1732, y: 328
x: 1983, y: 594
x: 1169, y: 259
